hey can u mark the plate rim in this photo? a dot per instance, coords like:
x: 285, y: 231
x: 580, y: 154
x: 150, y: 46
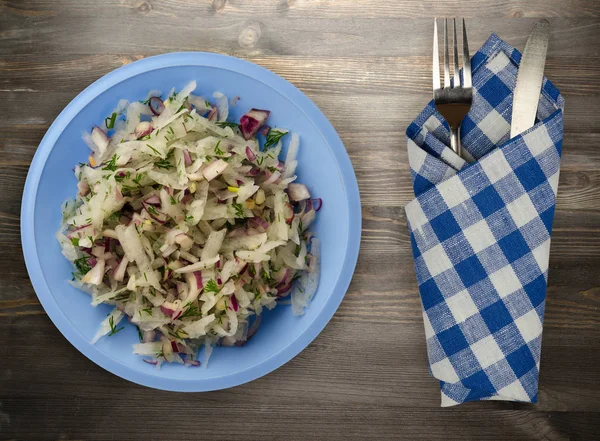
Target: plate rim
x: 175, y: 59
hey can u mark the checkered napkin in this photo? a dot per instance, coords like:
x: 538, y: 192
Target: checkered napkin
x: 481, y: 235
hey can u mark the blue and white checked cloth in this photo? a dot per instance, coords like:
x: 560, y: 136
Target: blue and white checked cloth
x: 481, y: 235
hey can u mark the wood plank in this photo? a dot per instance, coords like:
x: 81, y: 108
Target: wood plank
x: 341, y: 9
x: 386, y: 369
x: 391, y: 112
x: 243, y: 36
x: 362, y: 75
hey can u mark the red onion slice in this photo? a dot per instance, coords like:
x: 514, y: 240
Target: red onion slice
x: 192, y: 363
x: 265, y: 130
x: 212, y: 115
x: 234, y: 303
x: 254, y: 327
x: 167, y: 311
x: 253, y: 172
x: 284, y: 290
x: 187, y: 158
x: 198, y: 276
x: 258, y: 222
x: 288, y: 211
x: 142, y: 129
x: 187, y: 199
x: 156, y: 105
x: 284, y: 279
x: 271, y: 177
x: 252, y: 121
x: 250, y: 154
x: 153, y: 200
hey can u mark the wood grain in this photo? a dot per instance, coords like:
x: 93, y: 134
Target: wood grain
x: 366, y: 64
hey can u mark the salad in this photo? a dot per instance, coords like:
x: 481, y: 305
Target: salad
x: 188, y: 226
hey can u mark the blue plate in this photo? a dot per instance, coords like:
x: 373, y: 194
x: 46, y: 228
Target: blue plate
x: 324, y: 167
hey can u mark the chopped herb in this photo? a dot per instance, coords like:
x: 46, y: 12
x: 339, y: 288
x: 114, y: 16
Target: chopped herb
x: 109, y: 121
x: 153, y: 291
x: 264, y: 275
x: 207, y: 104
x: 191, y: 311
x: 147, y: 311
x: 183, y: 106
x: 153, y: 149
x: 179, y: 333
x: 211, y: 286
x: 273, y: 137
x: 188, y: 218
x: 164, y: 164
x: 75, y: 241
x: 145, y: 137
x: 239, y: 210
x: 151, y: 210
x: 260, y: 160
x: 300, y: 227
x: 113, y: 328
x: 145, y: 277
x: 297, y: 250
x: 227, y: 124
x: 140, y: 335
x: 278, y: 217
x: 112, y: 164
x: 173, y: 201
x: 82, y: 265
x: 123, y: 296
x: 137, y: 179
x: 218, y: 151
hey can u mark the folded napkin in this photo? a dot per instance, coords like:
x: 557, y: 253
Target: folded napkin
x: 481, y: 235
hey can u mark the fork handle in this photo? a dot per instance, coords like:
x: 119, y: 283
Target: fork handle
x: 455, y: 140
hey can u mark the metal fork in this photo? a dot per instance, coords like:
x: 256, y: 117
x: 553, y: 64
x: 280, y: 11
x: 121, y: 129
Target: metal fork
x: 452, y: 101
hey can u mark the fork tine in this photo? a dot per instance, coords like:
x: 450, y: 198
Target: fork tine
x: 436, y: 57
x: 455, y: 44
x: 446, y: 56
x: 466, y: 58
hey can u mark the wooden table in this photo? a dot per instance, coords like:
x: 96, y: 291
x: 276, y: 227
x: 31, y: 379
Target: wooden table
x: 366, y: 64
